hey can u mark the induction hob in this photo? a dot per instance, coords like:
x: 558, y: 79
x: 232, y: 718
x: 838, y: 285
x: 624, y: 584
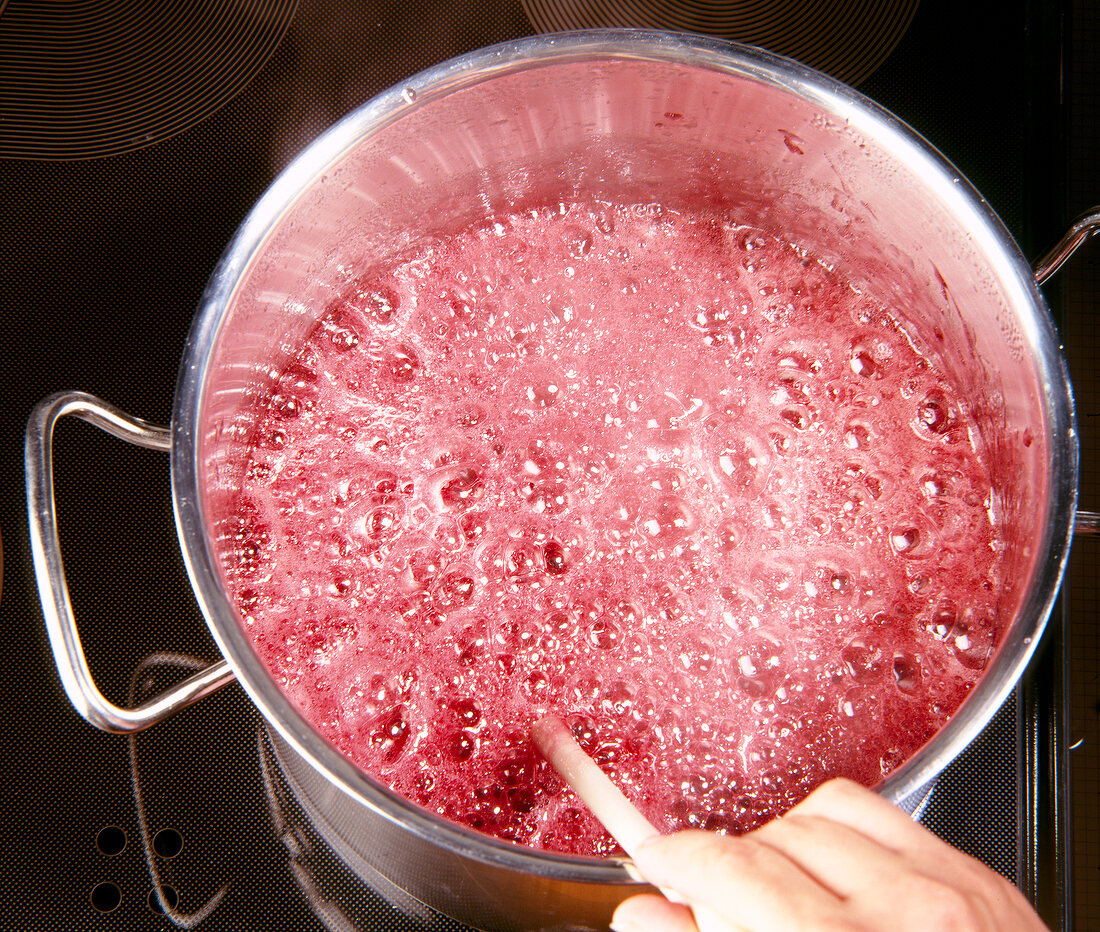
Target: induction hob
x: 119, y: 198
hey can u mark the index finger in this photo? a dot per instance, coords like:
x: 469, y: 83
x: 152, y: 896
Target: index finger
x: 619, y: 816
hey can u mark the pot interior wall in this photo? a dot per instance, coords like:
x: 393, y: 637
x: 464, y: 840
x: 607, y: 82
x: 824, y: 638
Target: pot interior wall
x: 687, y: 135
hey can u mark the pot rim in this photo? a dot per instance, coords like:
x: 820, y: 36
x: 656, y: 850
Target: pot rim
x: 866, y: 117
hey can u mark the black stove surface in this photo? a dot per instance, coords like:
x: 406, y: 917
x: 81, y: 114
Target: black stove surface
x: 107, y: 237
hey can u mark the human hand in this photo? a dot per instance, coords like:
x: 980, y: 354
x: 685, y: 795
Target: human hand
x: 842, y: 860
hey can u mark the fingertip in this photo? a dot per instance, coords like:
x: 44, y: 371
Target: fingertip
x: 648, y: 912
x: 546, y: 733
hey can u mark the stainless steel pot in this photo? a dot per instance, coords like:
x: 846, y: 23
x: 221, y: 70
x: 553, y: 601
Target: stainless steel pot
x: 628, y: 117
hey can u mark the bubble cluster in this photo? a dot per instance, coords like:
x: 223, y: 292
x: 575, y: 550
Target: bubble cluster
x: 662, y: 474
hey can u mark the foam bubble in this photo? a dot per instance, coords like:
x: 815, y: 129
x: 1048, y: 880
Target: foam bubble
x: 864, y: 658
x: 403, y: 363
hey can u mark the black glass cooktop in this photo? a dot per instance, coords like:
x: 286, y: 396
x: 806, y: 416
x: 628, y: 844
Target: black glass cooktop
x: 118, y: 197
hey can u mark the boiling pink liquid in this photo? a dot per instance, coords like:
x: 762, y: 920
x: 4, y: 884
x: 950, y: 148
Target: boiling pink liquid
x: 665, y: 476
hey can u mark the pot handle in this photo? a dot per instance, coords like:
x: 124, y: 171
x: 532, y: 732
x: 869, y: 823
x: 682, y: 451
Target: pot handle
x: 1086, y: 523
x: 1083, y: 227
x: 53, y: 590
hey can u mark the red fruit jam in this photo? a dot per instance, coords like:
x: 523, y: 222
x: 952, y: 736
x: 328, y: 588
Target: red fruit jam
x: 669, y: 477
